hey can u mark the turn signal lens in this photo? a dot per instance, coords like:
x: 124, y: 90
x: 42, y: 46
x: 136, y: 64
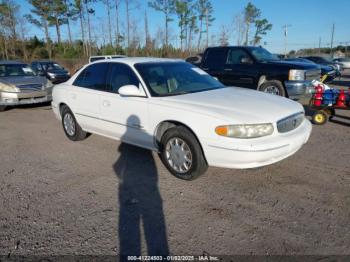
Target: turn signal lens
x: 221, y: 130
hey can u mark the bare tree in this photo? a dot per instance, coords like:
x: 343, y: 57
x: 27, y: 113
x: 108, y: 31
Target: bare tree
x: 239, y: 27
x: 108, y: 7
x: 168, y: 8
x: 118, y: 36
x: 129, y: 6
x: 224, y: 36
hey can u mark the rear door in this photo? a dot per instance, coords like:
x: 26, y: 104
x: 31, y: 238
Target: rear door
x: 240, y: 69
x: 85, y: 96
x: 214, y: 62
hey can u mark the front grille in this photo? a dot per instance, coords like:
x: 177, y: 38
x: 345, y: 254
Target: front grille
x: 290, y: 123
x: 313, y: 75
x: 30, y: 87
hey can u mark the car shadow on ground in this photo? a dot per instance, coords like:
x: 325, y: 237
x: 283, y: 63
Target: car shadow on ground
x: 42, y: 106
x: 140, y: 203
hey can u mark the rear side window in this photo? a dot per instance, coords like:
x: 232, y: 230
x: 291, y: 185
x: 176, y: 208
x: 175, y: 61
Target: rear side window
x: 94, y: 77
x: 215, y: 58
x: 120, y: 75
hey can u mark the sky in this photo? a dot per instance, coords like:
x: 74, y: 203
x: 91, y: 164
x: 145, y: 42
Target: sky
x: 309, y: 21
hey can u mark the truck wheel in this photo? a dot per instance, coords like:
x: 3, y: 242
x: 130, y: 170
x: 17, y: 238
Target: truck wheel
x: 71, y: 127
x: 2, y: 108
x: 182, y: 154
x: 273, y: 87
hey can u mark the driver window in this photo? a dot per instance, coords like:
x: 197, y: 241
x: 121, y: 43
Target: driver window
x: 120, y: 75
x: 235, y: 56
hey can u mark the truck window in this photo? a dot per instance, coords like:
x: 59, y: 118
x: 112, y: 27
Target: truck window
x: 235, y: 56
x: 215, y: 58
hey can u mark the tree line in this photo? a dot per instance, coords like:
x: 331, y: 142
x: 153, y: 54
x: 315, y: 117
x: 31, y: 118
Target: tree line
x: 120, y: 32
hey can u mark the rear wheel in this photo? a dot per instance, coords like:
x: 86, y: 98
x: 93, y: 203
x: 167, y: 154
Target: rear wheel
x: 182, y: 154
x: 71, y: 127
x: 273, y: 87
x: 2, y: 108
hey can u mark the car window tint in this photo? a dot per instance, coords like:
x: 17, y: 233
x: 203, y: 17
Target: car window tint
x: 94, y: 77
x: 215, y: 58
x: 235, y: 56
x: 120, y: 75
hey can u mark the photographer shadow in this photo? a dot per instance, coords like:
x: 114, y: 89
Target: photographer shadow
x: 140, y: 202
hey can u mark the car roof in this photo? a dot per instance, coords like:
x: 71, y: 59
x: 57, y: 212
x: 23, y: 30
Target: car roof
x: 136, y: 60
x: 43, y: 61
x: 11, y: 62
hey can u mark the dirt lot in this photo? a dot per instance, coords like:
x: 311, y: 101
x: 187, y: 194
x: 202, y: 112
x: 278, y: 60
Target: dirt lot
x: 59, y: 197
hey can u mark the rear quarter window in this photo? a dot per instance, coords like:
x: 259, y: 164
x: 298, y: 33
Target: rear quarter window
x: 215, y: 58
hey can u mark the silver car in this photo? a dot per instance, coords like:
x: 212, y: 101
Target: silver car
x: 20, y: 85
x: 345, y: 62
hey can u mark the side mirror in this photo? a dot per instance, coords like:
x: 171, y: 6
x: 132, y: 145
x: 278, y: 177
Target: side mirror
x: 246, y: 60
x: 131, y: 90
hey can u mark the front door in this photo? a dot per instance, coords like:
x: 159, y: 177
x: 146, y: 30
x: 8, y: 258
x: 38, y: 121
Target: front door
x: 239, y: 69
x: 125, y: 118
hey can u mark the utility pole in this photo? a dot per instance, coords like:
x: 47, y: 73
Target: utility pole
x: 319, y: 45
x: 332, y: 39
x: 285, y: 29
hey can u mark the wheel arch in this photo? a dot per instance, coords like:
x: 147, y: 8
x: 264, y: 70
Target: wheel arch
x: 163, y: 126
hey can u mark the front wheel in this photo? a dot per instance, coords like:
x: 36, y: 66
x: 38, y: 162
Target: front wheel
x: 273, y: 87
x: 71, y: 127
x: 182, y: 154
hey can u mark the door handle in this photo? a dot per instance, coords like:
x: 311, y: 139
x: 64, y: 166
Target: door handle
x: 228, y: 69
x: 106, y: 103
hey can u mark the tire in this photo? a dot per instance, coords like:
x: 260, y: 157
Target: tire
x: 319, y: 118
x: 273, y: 87
x: 2, y: 108
x: 76, y: 133
x: 197, y: 164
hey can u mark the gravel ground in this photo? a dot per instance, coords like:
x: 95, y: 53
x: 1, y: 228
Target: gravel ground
x: 101, y: 197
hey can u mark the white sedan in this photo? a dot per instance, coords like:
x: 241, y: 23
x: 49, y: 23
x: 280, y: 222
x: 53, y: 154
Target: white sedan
x: 178, y: 110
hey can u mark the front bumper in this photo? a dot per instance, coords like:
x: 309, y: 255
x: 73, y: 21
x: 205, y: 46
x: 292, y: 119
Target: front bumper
x: 13, y: 98
x: 260, y: 152
x: 298, y: 89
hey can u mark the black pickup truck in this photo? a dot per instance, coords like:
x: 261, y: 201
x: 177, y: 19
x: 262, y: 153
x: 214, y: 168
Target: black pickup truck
x: 256, y: 68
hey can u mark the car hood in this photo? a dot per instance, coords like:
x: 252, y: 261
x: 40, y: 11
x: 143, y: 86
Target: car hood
x: 294, y: 64
x: 235, y: 105
x: 23, y: 80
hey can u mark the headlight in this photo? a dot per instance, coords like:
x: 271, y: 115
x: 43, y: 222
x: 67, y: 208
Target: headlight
x: 245, y: 131
x: 51, y: 75
x: 296, y: 75
x: 48, y: 85
x: 8, y: 88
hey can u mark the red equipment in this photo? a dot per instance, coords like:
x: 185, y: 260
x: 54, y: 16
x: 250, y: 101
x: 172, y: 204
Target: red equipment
x: 341, y: 99
x: 318, y: 96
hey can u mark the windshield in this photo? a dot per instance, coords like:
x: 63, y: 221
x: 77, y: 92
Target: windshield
x: 325, y: 60
x: 15, y: 70
x: 262, y: 54
x: 170, y: 78
x: 51, y: 66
